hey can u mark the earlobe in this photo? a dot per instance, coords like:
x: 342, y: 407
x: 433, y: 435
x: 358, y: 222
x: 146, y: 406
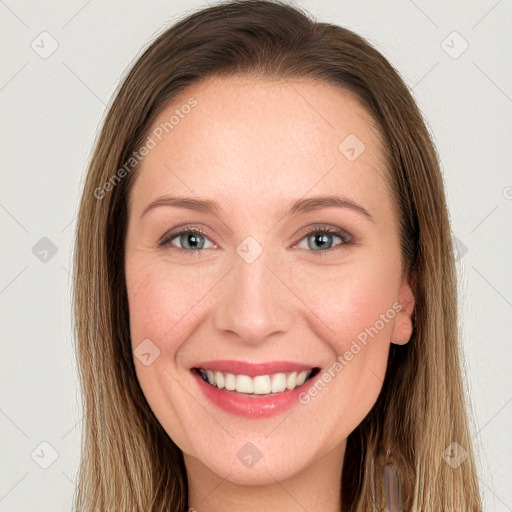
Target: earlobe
x: 403, y: 325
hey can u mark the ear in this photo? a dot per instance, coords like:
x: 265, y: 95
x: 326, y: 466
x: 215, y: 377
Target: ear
x: 403, y: 326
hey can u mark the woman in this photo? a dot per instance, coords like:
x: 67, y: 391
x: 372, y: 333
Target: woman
x: 266, y: 307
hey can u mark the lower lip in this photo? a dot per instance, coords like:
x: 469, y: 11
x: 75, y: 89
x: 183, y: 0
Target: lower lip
x: 249, y: 407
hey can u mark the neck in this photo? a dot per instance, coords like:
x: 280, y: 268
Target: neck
x: 317, y: 487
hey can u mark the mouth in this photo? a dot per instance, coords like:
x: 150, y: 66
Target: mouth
x: 257, y: 386
x: 254, y: 390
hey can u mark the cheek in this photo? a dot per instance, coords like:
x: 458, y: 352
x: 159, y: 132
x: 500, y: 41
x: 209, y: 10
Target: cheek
x: 352, y: 309
x: 351, y: 300
x: 162, y: 298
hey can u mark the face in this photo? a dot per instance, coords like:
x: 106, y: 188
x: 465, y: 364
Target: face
x: 261, y: 294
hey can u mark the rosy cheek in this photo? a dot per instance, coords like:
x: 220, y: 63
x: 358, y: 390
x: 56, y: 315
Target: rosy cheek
x: 348, y: 301
x: 162, y: 297
x: 147, y: 303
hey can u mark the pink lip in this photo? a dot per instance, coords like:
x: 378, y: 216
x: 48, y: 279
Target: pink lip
x: 254, y: 406
x: 253, y: 369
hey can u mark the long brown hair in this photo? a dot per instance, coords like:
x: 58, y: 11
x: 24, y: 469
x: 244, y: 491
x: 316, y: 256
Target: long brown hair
x: 128, y: 461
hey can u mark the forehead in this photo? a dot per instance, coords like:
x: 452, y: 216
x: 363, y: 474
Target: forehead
x: 248, y: 141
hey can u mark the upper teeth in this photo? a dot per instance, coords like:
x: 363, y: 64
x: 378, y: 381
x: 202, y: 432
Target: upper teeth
x: 260, y: 385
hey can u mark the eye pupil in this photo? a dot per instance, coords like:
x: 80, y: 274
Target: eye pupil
x: 321, y: 239
x: 191, y: 239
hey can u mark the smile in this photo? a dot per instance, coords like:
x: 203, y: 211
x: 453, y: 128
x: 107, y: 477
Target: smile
x: 253, y: 390
x: 258, y: 385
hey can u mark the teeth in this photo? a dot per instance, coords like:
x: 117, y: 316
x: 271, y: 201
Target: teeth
x: 291, y: 380
x: 301, y: 378
x: 230, y: 381
x: 244, y: 384
x: 278, y: 383
x: 260, y: 385
x: 219, y: 380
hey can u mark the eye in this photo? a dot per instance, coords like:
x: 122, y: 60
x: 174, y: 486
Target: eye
x: 320, y: 238
x: 190, y: 239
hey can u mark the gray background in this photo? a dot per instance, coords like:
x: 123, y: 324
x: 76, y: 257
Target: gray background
x: 51, y: 107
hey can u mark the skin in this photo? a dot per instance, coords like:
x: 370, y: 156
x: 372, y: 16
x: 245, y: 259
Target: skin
x: 254, y: 146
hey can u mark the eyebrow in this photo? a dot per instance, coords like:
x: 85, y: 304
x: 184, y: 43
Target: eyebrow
x: 301, y: 206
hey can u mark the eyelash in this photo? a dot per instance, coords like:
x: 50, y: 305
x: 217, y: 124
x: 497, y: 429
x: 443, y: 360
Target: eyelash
x: 345, y: 237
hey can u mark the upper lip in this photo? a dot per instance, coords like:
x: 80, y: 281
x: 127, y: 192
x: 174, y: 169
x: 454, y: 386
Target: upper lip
x: 253, y: 369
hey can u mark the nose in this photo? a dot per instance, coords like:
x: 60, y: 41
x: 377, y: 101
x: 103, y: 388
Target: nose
x: 254, y: 301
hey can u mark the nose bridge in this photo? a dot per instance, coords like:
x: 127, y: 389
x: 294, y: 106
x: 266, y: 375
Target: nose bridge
x: 253, y: 304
